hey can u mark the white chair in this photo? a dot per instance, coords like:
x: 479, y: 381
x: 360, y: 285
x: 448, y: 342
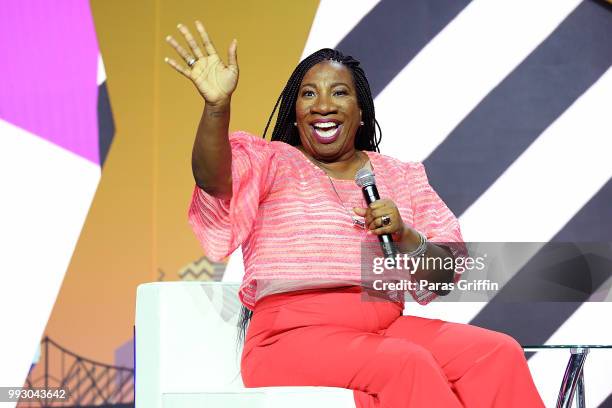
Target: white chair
x: 187, y: 354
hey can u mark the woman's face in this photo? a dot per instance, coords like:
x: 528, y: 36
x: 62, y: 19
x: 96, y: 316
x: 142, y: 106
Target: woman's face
x: 327, y: 112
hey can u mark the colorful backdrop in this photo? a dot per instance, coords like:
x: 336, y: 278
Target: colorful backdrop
x: 506, y: 103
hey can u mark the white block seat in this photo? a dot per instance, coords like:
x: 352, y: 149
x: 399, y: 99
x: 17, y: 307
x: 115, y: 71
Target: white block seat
x: 187, y: 354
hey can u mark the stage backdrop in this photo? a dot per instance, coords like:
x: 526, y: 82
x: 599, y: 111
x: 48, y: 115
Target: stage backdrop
x: 506, y: 103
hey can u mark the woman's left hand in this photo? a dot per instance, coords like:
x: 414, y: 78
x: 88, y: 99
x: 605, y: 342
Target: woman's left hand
x: 375, y: 215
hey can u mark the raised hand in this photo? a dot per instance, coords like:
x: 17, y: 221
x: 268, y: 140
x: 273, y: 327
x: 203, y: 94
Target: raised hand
x: 214, y: 80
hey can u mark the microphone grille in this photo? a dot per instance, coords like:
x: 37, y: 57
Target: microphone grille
x: 365, y: 177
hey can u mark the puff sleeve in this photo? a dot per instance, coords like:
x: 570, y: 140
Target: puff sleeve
x: 221, y: 225
x: 433, y: 219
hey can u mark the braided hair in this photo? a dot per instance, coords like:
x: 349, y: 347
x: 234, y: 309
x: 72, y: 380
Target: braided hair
x: 284, y: 130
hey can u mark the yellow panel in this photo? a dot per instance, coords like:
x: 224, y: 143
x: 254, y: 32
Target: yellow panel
x: 137, y: 223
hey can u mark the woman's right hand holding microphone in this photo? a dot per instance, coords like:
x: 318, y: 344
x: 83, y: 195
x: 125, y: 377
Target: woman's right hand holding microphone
x: 214, y: 80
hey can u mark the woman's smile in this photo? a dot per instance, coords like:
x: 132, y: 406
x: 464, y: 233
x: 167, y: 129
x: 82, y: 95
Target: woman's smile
x: 326, y: 130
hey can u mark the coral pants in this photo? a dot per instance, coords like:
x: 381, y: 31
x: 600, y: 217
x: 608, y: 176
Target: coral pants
x: 332, y: 337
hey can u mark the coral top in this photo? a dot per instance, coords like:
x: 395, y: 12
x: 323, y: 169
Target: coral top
x: 291, y: 224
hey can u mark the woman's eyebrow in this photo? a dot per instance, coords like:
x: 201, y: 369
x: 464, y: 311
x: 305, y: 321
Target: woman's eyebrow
x: 332, y: 85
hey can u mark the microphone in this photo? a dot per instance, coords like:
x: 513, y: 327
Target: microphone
x: 365, y: 179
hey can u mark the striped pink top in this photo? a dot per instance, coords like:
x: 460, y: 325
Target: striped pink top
x: 291, y: 224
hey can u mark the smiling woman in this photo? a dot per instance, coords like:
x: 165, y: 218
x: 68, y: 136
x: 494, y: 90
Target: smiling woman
x: 321, y: 83
x: 312, y: 318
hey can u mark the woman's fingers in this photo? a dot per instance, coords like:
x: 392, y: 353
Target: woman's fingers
x: 208, y: 45
x: 232, y: 55
x: 379, y: 212
x: 180, y: 50
x: 384, y: 202
x: 214, y: 80
x: 360, y: 211
x: 382, y: 230
x: 176, y: 66
x: 377, y: 223
x: 190, y: 40
x: 373, y: 216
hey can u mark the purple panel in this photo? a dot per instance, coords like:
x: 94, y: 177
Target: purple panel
x: 48, y: 72
x: 124, y: 354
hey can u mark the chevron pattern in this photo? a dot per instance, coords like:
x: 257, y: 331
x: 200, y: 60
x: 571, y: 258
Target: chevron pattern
x: 507, y: 105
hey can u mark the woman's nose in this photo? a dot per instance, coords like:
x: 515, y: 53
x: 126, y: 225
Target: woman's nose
x: 323, y: 105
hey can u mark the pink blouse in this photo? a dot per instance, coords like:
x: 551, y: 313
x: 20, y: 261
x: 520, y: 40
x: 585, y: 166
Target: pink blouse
x: 291, y: 224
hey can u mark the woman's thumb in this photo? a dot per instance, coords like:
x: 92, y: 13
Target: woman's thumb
x: 232, y: 54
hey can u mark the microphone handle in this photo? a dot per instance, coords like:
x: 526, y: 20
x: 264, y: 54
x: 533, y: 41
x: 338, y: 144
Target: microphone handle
x: 370, y: 193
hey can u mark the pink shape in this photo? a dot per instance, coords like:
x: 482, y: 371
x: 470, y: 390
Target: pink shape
x: 49, y: 70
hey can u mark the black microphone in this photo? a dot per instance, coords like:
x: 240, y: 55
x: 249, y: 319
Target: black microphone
x: 365, y: 179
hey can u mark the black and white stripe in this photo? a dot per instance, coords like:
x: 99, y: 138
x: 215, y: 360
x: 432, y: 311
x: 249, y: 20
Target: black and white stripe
x: 507, y: 104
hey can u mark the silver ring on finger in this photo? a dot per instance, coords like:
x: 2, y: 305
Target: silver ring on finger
x: 191, y: 61
x: 386, y: 220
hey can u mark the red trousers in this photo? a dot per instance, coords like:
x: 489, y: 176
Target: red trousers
x: 332, y: 337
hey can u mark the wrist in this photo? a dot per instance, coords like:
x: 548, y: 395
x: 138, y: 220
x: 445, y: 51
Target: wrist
x: 409, y: 239
x: 219, y: 106
x: 411, y: 248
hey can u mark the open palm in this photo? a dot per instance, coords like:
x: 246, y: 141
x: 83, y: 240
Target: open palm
x: 214, y: 80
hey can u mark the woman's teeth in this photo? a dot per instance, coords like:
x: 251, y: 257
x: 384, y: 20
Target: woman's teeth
x: 326, y: 133
x: 326, y: 130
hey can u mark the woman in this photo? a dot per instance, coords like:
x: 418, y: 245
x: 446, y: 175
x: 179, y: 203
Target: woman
x: 293, y: 205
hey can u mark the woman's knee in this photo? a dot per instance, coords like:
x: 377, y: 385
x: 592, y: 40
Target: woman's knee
x: 507, y: 346
x: 411, y: 365
x: 395, y: 355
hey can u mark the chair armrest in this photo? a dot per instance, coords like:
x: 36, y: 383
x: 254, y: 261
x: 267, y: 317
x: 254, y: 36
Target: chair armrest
x: 186, y: 339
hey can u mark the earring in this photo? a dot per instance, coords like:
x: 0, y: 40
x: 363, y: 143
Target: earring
x: 294, y: 123
x: 361, y: 123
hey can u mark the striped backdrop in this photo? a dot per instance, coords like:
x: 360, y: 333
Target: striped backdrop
x: 509, y: 106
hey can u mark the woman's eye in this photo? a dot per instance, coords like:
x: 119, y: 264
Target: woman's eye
x: 341, y: 92
x: 307, y: 93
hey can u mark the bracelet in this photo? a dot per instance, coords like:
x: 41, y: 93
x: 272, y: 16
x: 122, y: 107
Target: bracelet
x: 421, y: 248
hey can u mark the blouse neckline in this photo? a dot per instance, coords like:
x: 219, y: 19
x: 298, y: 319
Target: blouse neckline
x: 323, y: 173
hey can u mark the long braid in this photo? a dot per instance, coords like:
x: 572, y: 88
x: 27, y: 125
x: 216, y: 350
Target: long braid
x: 285, y: 131
x: 273, y: 110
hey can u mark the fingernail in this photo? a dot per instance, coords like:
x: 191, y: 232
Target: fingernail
x: 166, y: 59
x: 168, y: 38
x: 179, y: 25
